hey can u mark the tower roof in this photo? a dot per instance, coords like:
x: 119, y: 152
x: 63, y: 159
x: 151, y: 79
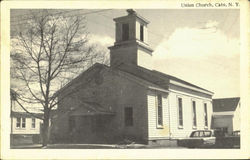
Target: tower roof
x: 132, y: 12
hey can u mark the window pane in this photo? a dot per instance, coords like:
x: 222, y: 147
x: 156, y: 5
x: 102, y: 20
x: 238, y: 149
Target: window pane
x: 72, y: 123
x: 180, y: 112
x: 128, y: 115
x: 194, y: 114
x: 207, y: 134
x: 18, y: 122
x: 205, y: 114
x: 33, y: 125
x: 195, y: 134
x: 201, y: 134
x: 141, y: 33
x: 23, y: 122
x: 125, y: 32
x: 160, y: 117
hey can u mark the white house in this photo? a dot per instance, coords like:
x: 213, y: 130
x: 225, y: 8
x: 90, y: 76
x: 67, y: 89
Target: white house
x: 25, y: 127
x: 129, y: 99
x: 226, y: 114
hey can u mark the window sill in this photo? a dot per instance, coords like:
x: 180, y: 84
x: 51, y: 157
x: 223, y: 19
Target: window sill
x: 180, y: 127
x: 21, y: 128
x: 159, y: 127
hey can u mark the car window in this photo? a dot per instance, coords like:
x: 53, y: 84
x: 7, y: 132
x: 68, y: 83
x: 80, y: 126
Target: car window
x: 201, y: 134
x: 207, y: 134
x: 195, y: 134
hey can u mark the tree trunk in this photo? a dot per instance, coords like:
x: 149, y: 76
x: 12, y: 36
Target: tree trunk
x: 45, y: 130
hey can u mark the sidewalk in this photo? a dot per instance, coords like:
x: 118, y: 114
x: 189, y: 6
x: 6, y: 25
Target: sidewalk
x: 80, y: 146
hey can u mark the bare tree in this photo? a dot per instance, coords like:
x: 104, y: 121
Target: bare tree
x: 48, y: 51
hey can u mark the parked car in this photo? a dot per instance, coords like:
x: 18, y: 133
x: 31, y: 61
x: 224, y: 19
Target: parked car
x: 198, y: 139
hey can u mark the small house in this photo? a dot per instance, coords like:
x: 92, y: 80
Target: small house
x: 226, y: 114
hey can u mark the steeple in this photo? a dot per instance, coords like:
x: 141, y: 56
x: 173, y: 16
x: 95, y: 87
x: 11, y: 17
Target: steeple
x: 131, y: 41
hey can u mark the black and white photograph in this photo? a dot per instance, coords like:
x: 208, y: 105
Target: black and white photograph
x: 125, y: 79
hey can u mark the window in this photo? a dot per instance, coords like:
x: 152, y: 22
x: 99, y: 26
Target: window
x: 195, y: 134
x: 23, y: 122
x: 142, y: 33
x: 180, y: 112
x: 125, y: 32
x: 128, y: 111
x: 72, y: 123
x: 33, y: 123
x: 159, y: 110
x: 207, y: 134
x: 205, y: 114
x: 18, y: 122
x: 194, y: 113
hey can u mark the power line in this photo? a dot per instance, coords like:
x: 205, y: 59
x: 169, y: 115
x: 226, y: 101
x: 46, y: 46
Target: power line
x: 63, y: 12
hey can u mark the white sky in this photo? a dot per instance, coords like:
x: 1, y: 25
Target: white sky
x: 198, y: 46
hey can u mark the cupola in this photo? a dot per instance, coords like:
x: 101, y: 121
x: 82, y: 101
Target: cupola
x: 131, y: 41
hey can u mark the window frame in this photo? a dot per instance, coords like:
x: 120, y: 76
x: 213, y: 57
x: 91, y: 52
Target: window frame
x: 180, y: 126
x: 194, y: 114
x: 142, y: 32
x: 205, y: 115
x: 18, y: 121
x: 159, y: 125
x: 128, y: 121
x: 23, y: 122
x: 33, y: 123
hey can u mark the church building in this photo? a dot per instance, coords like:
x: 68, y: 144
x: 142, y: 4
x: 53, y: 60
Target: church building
x: 129, y: 99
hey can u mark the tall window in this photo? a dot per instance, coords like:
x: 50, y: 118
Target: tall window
x: 23, y: 122
x: 194, y: 113
x: 205, y: 114
x: 18, y: 122
x: 33, y: 123
x: 125, y: 31
x: 141, y: 32
x: 159, y: 110
x: 128, y: 116
x: 180, y: 114
x: 72, y: 123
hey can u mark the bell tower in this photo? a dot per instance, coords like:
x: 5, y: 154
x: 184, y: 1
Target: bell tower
x: 131, y: 41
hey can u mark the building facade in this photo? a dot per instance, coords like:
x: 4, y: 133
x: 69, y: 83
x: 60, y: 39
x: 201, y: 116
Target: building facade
x: 25, y: 128
x: 128, y: 99
x: 226, y: 115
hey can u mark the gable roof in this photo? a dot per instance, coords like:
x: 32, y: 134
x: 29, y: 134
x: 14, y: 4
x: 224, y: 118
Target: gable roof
x: 97, y: 67
x: 225, y: 104
x: 159, y: 79
x: 155, y: 77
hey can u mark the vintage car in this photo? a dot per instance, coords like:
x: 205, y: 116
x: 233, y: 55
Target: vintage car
x: 198, y: 139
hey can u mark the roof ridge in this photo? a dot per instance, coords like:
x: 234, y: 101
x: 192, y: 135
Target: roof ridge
x: 226, y: 98
x: 164, y: 74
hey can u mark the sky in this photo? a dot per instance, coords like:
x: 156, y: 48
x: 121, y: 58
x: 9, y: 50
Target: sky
x: 199, y: 46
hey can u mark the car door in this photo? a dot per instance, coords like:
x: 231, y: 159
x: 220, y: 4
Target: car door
x: 209, y: 139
